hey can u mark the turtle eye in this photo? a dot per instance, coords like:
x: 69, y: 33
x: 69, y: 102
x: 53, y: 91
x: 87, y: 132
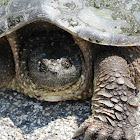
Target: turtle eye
x: 66, y: 63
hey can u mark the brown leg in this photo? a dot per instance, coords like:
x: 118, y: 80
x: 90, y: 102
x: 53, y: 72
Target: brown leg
x: 113, y: 102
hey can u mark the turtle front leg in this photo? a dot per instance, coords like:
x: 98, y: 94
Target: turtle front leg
x: 113, y: 102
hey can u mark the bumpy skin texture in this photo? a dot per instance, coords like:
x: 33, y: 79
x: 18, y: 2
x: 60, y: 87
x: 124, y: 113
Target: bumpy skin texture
x: 7, y: 72
x: 113, y: 102
x: 116, y: 71
x: 80, y: 89
x: 116, y: 77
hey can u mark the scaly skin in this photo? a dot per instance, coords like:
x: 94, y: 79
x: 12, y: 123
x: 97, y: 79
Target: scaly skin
x: 116, y: 77
x: 132, y: 55
x: 136, y: 66
x: 113, y: 102
x: 80, y: 89
x: 7, y: 72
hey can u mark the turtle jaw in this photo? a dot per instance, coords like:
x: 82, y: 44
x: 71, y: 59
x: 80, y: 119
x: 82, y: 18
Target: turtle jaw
x: 79, y: 89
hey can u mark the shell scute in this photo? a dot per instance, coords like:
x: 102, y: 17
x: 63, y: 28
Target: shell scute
x: 115, y: 23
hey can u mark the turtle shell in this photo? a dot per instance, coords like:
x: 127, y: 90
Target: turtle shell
x: 107, y: 22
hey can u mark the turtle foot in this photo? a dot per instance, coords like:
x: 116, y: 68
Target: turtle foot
x: 97, y: 130
x: 113, y: 103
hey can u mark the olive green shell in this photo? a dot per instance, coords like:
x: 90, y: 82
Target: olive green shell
x: 107, y: 22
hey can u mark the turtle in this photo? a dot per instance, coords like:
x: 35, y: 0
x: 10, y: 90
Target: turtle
x: 57, y: 50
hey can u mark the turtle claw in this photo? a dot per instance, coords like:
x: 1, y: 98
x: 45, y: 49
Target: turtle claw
x: 129, y: 133
x: 78, y: 131
x: 98, y: 130
x: 87, y: 137
x: 102, y: 135
x: 117, y: 134
x: 92, y: 127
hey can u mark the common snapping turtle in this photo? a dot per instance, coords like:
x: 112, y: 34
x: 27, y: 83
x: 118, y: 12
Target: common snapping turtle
x: 56, y: 50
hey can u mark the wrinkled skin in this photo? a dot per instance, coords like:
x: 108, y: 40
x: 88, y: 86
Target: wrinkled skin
x: 109, y: 74
x: 117, y: 72
x: 6, y: 63
x: 48, y: 64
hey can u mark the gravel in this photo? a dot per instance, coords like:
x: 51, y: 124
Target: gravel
x: 24, y: 118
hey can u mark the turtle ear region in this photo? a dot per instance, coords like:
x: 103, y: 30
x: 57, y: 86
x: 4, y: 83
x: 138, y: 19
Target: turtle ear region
x: 7, y: 67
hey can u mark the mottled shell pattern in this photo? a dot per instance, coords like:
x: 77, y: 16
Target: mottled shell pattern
x: 108, y: 22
